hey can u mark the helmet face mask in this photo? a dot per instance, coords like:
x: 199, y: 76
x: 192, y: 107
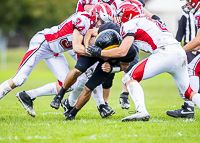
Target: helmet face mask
x: 190, y: 6
x: 101, y: 11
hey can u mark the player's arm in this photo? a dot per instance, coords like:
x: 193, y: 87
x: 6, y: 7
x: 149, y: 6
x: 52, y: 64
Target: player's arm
x: 106, y: 67
x: 89, y: 34
x: 78, y: 47
x: 121, y: 51
x: 194, y: 43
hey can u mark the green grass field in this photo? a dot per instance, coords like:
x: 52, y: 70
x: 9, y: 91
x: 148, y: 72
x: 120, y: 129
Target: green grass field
x: 49, y: 125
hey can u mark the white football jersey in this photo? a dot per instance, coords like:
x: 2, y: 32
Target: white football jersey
x: 149, y: 34
x: 81, y: 3
x: 60, y: 37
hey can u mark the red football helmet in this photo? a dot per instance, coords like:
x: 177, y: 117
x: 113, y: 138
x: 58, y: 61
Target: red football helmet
x: 190, y: 6
x: 130, y: 9
x: 101, y: 11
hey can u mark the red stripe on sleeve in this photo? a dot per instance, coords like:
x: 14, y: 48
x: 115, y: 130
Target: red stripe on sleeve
x: 141, y: 35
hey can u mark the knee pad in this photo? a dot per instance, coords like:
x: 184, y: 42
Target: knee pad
x: 126, y: 78
x: 19, y: 80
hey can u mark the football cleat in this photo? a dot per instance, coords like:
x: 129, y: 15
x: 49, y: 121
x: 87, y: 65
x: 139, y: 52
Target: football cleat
x: 138, y: 116
x: 67, y: 108
x: 185, y: 112
x: 123, y: 100
x: 70, y: 117
x: 27, y: 102
x: 55, y: 103
x: 105, y: 111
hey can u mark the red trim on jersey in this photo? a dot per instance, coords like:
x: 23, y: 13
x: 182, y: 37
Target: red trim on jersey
x: 188, y: 92
x: 90, y: 2
x: 86, y: 15
x: 66, y: 29
x: 80, y: 8
x: 26, y: 57
x: 197, y: 68
x: 141, y: 35
x: 60, y: 83
x: 114, y: 3
x: 138, y: 72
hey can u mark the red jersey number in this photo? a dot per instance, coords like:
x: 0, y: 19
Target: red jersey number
x: 197, y: 19
x: 78, y: 21
x: 66, y: 44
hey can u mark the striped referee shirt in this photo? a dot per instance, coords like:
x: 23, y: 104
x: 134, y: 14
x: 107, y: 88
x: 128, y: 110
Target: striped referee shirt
x: 187, y: 28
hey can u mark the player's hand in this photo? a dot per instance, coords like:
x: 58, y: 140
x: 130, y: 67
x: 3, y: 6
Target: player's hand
x: 106, y: 67
x: 94, y: 51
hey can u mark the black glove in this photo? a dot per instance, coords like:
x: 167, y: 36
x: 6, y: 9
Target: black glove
x: 94, y: 51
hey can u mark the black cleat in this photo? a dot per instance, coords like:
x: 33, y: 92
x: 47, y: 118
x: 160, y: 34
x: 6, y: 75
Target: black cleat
x: 55, y: 103
x: 105, y: 111
x: 27, y: 102
x: 185, y: 112
x: 123, y: 100
x: 70, y: 117
x: 67, y: 108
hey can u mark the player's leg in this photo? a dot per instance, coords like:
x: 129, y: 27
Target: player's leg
x: 26, y: 66
x: 187, y: 110
x: 123, y: 100
x: 147, y: 68
x: 96, y: 79
x: 81, y: 66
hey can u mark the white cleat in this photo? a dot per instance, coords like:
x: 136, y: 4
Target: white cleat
x: 138, y: 116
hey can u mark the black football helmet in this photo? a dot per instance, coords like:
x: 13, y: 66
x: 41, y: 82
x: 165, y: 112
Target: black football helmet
x: 108, y: 39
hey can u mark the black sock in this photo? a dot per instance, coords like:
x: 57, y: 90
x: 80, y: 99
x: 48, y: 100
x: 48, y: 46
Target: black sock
x: 74, y: 111
x: 61, y: 93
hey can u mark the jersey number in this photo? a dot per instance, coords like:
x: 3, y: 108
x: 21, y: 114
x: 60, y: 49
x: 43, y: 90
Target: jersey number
x: 78, y: 21
x: 66, y: 43
x: 159, y: 25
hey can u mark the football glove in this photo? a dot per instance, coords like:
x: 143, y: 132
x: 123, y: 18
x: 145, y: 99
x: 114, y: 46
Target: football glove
x: 94, y: 51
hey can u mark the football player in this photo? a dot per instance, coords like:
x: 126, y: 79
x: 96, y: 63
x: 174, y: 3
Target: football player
x: 187, y: 110
x: 107, y: 38
x: 124, y: 94
x: 167, y: 55
x: 84, y: 62
x: 49, y: 44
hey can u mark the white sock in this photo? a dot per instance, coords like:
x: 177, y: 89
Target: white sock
x: 196, y: 100
x: 194, y: 83
x: 137, y: 95
x: 190, y: 103
x: 97, y: 94
x: 73, y: 96
x: 48, y: 89
x: 4, y: 89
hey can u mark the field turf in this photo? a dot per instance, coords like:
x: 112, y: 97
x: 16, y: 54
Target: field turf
x: 49, y: 125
